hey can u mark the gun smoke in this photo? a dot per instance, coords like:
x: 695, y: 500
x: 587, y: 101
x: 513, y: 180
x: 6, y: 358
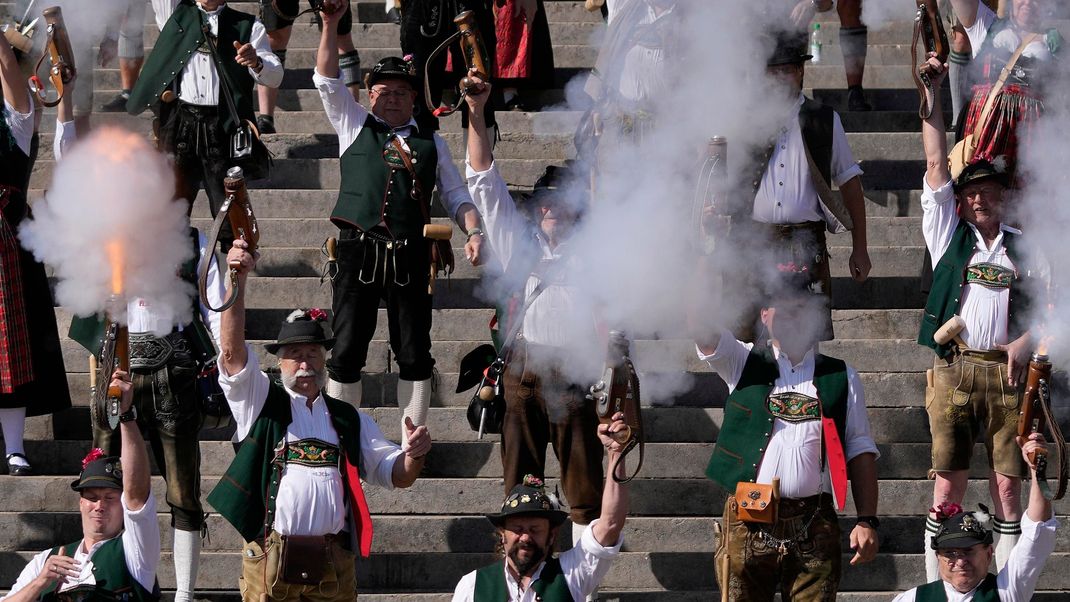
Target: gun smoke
x: 636, y: 241
x: 110, y: 200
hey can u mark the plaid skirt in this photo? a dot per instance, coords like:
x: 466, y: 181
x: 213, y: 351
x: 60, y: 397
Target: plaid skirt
x: 1015, y: 109
x: 16, y: 366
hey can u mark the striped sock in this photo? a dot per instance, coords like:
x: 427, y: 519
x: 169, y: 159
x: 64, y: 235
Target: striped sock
x: 958, y: 69
x: 1009, y: 531
x: 932, y: 567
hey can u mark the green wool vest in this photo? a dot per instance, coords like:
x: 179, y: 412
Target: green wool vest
x: 89, y: 332
x: 363, y: 199
x: 550, y: 587
x: 934, y: 592
x: 748, y: 425
x: 245, y: 496
x: 180, y: 38
x: 949, y: 278
x: 113, y: 580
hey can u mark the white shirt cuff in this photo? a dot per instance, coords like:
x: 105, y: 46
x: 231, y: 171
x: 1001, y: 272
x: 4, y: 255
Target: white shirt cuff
x: 591, y: 546
x: 1031, y: 527
x: 853, y: 172
x: 725, y: 339
x: 251, y: 364
x: 941, y: 195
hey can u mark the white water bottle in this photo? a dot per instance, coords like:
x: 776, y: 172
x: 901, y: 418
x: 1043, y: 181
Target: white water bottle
x: 815, y: 43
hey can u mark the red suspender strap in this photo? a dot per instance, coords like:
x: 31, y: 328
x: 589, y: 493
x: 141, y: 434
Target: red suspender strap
x: 362, y: 517
x: 837, y: 462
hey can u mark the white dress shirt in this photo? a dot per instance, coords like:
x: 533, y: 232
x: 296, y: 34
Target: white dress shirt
x: 786, y: 194
x: 983, y: 309
x: 141, y: 547
x: 561, y: 316
x: 794, y: 449
x: 310, y: 501
x: 20, y: 124
x: 1018, y: 578
x: 347, y: 117
x: 199, y: 83
x: 584, y: 566
x: 643, y: 76
x: 142, y: 318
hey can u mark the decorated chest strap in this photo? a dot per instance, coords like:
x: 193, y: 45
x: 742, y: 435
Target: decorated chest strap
x: 794, y: 407
x: 990, y: 275
x: 313, y: 453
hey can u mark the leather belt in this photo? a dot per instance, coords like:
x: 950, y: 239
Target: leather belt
x: 149, y: 352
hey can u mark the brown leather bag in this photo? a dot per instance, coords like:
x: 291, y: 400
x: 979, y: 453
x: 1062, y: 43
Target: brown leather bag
x: 757, y: 503
x: 303, y: 559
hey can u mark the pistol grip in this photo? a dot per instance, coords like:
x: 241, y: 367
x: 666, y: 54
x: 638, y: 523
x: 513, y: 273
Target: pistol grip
x: 1037, y: 454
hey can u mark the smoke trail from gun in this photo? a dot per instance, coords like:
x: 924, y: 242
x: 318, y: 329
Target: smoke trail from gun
x: 108, y: 225
x: 635, y: 241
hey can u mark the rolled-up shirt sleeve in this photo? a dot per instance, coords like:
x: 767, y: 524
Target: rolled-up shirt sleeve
x: 271, y: 72
x: 451, y: 187
x: 859, y: 441
x: 141, y: 542
x: 501, y: 220
x: 346, y: 115
x: 844, y: 166
x: 379, y: 454
x: 63, y: 139
x: 246, y: 391
x: 1019, y: 576
x: 586, y: 564
x: 939, y: 218
x: 729, y: 358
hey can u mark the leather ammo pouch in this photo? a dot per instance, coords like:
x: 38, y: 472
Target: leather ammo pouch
x: 757, y: 503
x: 304, y: 558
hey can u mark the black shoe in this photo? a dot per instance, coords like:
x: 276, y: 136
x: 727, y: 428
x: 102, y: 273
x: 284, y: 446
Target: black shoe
x: 856, y: 100
x: 115, y: 105
x: 17, y: 470
x: 393, y: 16
x: 266, y: 124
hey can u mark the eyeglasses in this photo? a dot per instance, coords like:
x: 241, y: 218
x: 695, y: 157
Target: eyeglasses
x: 953, y: 555
x: 390, y: 93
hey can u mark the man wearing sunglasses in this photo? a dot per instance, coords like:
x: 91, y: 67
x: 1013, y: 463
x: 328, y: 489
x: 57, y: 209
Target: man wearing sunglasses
x: 389, y: 167
x: 964, y: 550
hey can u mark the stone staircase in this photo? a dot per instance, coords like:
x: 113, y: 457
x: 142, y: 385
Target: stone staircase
x: 431, y: 534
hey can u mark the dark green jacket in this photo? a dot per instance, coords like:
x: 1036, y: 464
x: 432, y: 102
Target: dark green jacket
x: 934, y: 592
x: 369, y: 195
x: 180, y: 38
x: 245, y: 496
x: 550, y: 587
x: 748, y: 424
x: 949, y: 278
x: 113, y: 580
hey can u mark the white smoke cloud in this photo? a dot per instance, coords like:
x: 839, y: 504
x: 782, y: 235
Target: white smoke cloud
x: 636, y: 241
x: 111, y: 196
x: 877, y: 15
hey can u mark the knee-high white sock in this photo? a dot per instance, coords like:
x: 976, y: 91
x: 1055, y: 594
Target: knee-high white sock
x: 414, y: 398
x: 187, y: 551
x: 932, y: 566
x: 958, y: 68
x: 1008, y: 533
x: 13, y: 421
x: 350, y: 393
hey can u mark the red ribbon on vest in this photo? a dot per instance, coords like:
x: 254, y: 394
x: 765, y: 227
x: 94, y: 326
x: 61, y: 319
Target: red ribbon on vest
x: 837, y: 461
x: 362, y: 517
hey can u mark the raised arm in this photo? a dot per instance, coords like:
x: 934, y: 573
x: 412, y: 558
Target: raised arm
x: 327, y: 55
x: 232, y: 321
x: 480, y: 151
x: 135, y: 461
x: 614, y: 495
x: 933, y: 130
x: 965, y: 11
x: 11, y: 77
x: 1040, y: 508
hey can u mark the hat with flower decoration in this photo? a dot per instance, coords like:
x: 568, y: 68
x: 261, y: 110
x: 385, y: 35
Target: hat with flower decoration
x: 394, y: 67
x: 995, y: 170
x: 530, y: 499
x: 303, y: 326
x: 961, y: 529
x: 99, y: 470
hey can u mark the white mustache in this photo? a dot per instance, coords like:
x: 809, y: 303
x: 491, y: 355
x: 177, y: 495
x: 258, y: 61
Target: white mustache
x: 304, y: 373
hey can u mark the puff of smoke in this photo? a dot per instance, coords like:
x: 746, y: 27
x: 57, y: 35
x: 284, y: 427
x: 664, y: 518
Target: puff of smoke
x: 879, y: 14
x: 113, y: 189
x: 633, y: 249
x: 1042, y: 209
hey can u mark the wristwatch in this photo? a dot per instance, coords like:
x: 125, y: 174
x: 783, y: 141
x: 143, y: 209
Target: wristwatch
x: 871, y: 521
x: 474, y: 232
x: 129, y: 415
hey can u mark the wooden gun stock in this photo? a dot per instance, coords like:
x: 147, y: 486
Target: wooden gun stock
x: 60, y: 56
x: 618, y: 391
x: 114, y: 355
x: 1029, y: 417
x: 475, y: 57
x: 929, y: 29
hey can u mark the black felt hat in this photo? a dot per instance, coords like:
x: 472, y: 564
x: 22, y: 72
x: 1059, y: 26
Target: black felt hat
x: 530, y: 499
x: 961, y: 529
x: 99, y: 470
x: 474, y: 364
x: 557, y: 183
x: 983, y: 169
x: 790, y: 49
x: 393, y: 67
x: 303, y: 326
x: 789, y: 281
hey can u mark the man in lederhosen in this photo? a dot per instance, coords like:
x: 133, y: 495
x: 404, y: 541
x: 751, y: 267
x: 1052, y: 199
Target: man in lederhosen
x: 183, y: 82
x: 389, y: 167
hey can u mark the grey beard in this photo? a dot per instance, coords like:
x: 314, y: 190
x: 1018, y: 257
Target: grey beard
x: 526, y: 567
